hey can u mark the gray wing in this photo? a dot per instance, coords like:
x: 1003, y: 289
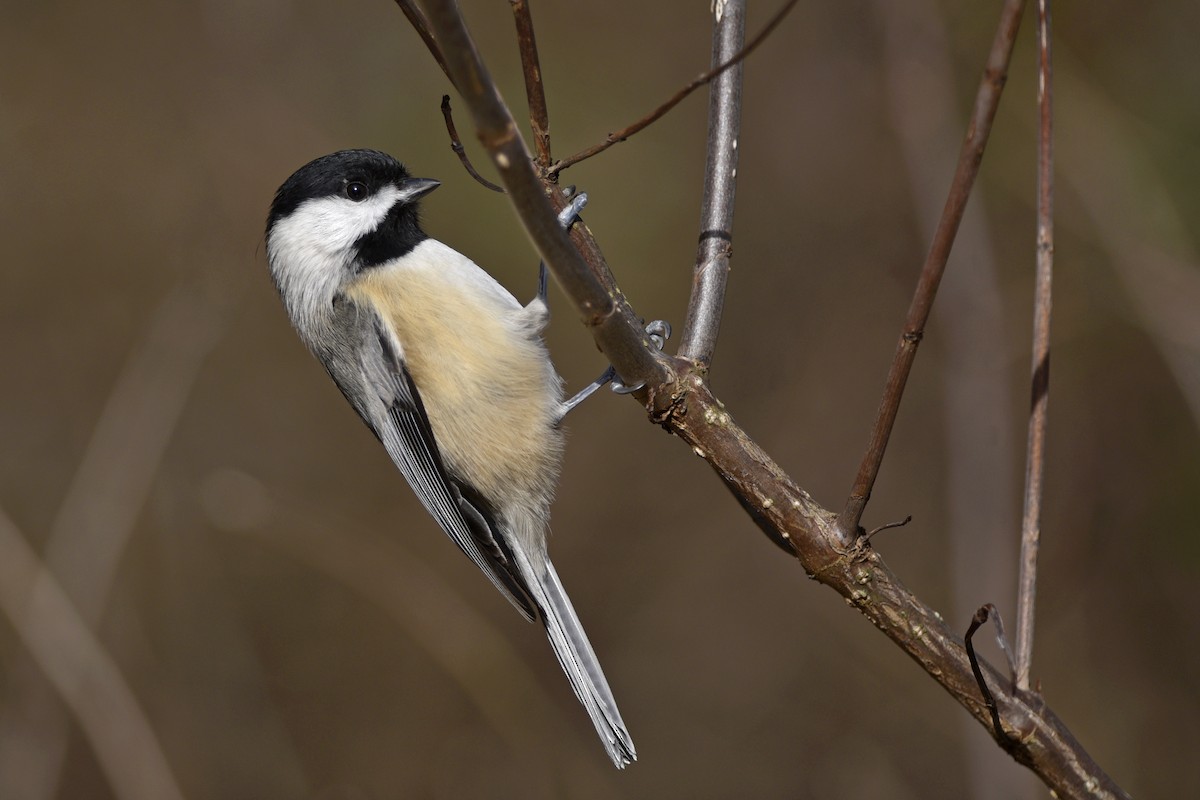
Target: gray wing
x: 366, y: 364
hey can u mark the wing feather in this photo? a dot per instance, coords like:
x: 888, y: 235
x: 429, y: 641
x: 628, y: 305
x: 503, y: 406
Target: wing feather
x: 383, y: 392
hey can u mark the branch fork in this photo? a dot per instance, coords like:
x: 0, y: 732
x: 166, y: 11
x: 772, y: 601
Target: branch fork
x: 676, y: 394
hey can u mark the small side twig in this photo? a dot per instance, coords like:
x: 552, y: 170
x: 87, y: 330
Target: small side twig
x: 703, y: 322
x: 887, y: 526
x: 1035, y: 457
x: 981, y: 616
x: 987, y: 99
x: 457, y: 146
x: 535, y: 92
x: 682, y: 402
x: 675, y: 99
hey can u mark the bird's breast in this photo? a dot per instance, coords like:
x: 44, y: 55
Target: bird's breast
x: 483, y: 374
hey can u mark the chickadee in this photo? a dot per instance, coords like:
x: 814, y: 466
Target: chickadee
x: 450, y: 373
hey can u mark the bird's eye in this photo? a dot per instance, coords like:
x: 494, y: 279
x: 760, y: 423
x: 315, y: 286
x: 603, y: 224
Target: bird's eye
x: 356, y: 191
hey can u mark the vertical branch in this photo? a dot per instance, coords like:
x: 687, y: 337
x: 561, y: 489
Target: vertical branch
x: 535, y: 91
x: 987, y: 99
x: 681, y: 402
x: 703, y: 321
x: 1036, y: 453
x: 980, y: 482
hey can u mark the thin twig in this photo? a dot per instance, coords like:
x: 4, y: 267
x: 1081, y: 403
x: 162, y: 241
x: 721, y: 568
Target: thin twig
x: 535, y: 92
x: 978, y: 489
x: 656, y: 114
x: 888, y: 526
x: 421, y: 26
x: 986, y: 101
x: 1035, y: 457
x: 681, y: 402
x: 981, y: 616
x: 85, y: 676
x: 457, y: 146
x: 617, y: 331
x: 703, y: 322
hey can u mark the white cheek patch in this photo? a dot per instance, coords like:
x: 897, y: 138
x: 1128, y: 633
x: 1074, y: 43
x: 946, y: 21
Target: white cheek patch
x: 333, y: 224
x: 310, y: 250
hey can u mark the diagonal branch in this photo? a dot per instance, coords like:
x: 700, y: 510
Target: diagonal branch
x: 675, y: 99
x: 987, y: 99
x: 1032, y: 734
x: 1035, y: 458
x: 678, y: 398
x: 617, y: 331
x: 703, y: 322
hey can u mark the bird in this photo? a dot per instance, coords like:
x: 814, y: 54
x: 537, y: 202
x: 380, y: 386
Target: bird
x: 449, y: 371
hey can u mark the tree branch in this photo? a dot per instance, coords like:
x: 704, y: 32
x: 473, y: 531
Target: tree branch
x: 703, y: 323
x: 981, y: 617
x: 677, y: 397
x: 616, y: 330
x: 1035, y: 457
x: 1034, y: 735
x: 460, y: 151
x: 987, y: 99
x: 675, y: 99
x: 535, y: 92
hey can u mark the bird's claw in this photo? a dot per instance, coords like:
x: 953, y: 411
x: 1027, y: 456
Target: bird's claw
x: 568, y: 215
x: 659, y: 331
x: 566, y: 218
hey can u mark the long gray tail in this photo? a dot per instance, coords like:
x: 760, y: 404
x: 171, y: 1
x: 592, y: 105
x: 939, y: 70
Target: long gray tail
x: 578, y: 660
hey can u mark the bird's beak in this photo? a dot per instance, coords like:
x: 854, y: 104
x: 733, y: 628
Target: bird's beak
x: 416, y: 188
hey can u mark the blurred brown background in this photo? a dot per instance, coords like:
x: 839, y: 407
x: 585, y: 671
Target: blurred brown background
x: 294, y: 626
